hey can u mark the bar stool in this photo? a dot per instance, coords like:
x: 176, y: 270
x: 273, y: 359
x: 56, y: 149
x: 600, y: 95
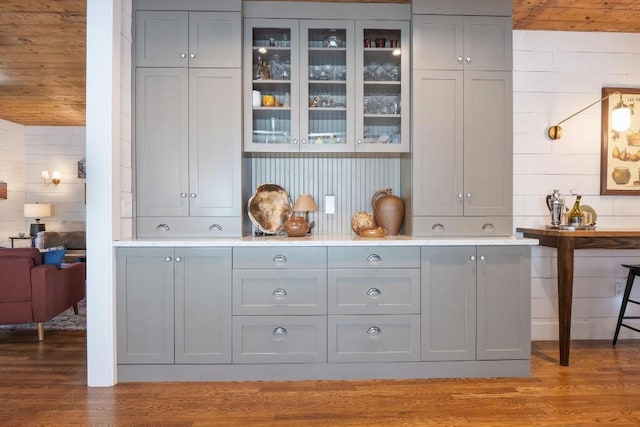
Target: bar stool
x: 634, y: 270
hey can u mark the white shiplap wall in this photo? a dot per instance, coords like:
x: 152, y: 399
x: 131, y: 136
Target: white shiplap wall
x: 56, y: 148
x: 12, y: 171
x: 555, y: 75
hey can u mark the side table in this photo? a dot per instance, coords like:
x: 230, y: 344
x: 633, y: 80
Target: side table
x: 13, y: 238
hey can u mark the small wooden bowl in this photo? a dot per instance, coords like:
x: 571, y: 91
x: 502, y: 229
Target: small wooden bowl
x: 372, y: 232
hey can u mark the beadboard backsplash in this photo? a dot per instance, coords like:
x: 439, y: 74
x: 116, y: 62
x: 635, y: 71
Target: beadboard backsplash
x: 353, y: 181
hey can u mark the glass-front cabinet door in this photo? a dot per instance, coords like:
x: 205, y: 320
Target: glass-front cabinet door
x: 326, y: 92
x: 382, y: 86
x: 272, y: 85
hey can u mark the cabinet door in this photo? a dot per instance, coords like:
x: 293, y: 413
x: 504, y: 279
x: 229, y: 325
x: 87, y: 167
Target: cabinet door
x: 162, y: 183
x: 449, y: 303
x: 382, y: 96
x: 488, y: 43
x: 215, y: 128
x: 504, y: 303
x: 144, y: 302
x: 488, y: 144
x: 438, y: 143
x: 203, y: 305
x: 438, y: 42
x: 271, y: 128
x: 326, y: 86
x: 161, y: 39
x: 214, y: 39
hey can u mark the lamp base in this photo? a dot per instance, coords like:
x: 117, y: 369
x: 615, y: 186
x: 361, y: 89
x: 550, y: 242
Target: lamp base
x: 33, y: 230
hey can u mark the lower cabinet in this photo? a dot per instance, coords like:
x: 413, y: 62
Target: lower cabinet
x: 335, y: 312
x: 476, y: 303
x: 173, y: 305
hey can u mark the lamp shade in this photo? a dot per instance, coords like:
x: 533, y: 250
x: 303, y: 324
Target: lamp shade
x: 305, y: 203
x: 37, y: 210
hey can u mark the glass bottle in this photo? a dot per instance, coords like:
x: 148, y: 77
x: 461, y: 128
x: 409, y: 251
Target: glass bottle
x: 263, y: 72
x: 276, y: 68
x: 575, y: 215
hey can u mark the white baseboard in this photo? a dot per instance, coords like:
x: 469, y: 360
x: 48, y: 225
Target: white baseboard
x: 588, y: 329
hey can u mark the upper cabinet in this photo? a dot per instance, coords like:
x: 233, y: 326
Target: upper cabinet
x: 187, y: 39
x: 462, y: 124
x: 188, y: 124
x: 314, y: 85
x: 462, y: 42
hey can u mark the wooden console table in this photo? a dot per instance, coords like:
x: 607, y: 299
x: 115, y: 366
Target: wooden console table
x: 565, y: 242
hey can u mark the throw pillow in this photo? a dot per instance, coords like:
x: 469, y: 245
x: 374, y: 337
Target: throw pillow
x: 54, y: 256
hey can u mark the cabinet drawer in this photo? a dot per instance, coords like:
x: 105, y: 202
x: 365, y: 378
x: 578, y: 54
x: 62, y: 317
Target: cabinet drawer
x: 279, y: 292
x: 279, y: 339
x: 374, y: 338
x: 280, y: 257
x: 189, y: 226
x: 462, y: 226
x: 388, y: 291
x: 374, y: 257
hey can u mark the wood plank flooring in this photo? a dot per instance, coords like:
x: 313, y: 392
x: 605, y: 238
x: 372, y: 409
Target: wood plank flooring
x: 44, y: 384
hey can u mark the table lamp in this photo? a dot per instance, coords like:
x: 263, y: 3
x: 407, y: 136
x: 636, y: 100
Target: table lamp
x: 305, y: 203
x: 36, y: 211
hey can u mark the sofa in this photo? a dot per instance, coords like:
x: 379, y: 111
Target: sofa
x: 75, y: 242
x: 33, y: 292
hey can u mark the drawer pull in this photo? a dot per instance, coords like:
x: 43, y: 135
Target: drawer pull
x: 374, y: 258
x: 279, y: 292
x: 215, y: 227
x: 279, y: 258
x: 374, y: 292
x: 279, y: 332
x: 162, y: 227
x: 437, y: 227
x: 374, y: 331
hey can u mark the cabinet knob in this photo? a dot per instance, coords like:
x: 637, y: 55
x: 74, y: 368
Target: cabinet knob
x: 468, y: 195
x: 488, y: 227
x: 183, y: 55
x: 459, y: 59
x: 215, y: 227
x: 279, y: 293
x: 192, y: 55
x: 472, y: 257
x: 279, y: 258
x: 178, y: 259
x: 193, y: 195
x: 374, y: 331
x: 294, y: 141
x: 359, y: 141
x: 168, y: 259
x: 468, y: 60
x: 482, y: 258
x: 374, y: 258
x: 437, y: 227
x: 460, y: 195
x: 162, y: 227
x: 374, y: 292
x: 279, y: 332
x: 303, y: 141
x: 184, y: 195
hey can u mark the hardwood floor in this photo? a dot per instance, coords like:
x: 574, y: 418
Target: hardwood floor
x: 44, y: 384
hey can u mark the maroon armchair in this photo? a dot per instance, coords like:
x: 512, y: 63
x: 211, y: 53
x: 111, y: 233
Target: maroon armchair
x: 31, y: 291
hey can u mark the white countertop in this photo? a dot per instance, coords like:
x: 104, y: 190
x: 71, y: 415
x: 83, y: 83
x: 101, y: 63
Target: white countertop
x: 328, y: 240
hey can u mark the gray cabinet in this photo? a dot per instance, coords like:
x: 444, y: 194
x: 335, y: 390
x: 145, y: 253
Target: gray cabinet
x: 335, y: 93
x: 188, y: 165
x: 172, y: 305
x: 462, y: 126
x: 373, y: 304
x: 476, y: 303
x: 187, y: 39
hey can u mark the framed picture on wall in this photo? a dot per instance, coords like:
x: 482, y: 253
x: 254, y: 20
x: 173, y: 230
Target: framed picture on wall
x: 82, y: 169
x: 620, y: 151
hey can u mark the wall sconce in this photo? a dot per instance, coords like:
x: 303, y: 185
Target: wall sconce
x: 55, y: 178
x: 620, y: 117
x: 36, y: 211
